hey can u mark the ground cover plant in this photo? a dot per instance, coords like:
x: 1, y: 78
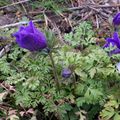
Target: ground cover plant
x: 47, y: 73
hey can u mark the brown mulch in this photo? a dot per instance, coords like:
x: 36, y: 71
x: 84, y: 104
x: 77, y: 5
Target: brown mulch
x: 97, y: 11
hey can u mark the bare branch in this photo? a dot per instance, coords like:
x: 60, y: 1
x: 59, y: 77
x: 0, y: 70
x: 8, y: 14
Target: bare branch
x: 19, y: 23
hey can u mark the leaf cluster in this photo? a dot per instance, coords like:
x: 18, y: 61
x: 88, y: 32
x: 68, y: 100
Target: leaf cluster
x: 82, y: 96
x: 81, y: 36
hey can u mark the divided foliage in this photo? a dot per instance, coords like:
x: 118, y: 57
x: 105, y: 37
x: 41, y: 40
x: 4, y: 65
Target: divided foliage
x: 91, y: 91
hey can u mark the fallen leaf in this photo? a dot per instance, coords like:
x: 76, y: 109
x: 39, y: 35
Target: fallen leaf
x: 3, y: 96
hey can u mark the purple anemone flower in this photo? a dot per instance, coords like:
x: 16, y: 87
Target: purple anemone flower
x: 115, y: 42
x: 30, y: 38
x: 66, y: 73
x: 116, y: 19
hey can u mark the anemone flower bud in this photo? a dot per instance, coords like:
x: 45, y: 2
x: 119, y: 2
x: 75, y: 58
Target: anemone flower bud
x: 30, y: 38
x: 116, y: 19
x: 66, y: 73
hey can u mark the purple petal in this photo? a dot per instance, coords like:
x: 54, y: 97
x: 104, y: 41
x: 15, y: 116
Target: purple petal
x: 108, y: 41
x: 26, y: 41
x: 112, y: 41
x: 32, y: 42
x: 21, y: 28
x: 106, y: 45
x: 116, y: 51
x: 116, y: 39
x: 30, y: 28
x: 116, y: 19
x: 16, y: 34
x: 116, y: 36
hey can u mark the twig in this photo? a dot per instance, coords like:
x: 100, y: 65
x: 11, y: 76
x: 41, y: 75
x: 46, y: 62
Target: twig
x: 99, y: 11
x: 118, y: 7
x: 76, y: 8
x: 54, y: 26
x: 14, y: 4
x: 23, y: 8
x: 95, y: 6
x: 107, y: 6
x: 19, y: 23
x: 87, y: 16
x: 97, y: 22
x: 4, y: 50
x: 59, y: 34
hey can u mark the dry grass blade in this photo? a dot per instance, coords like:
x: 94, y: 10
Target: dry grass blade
x: 14, y: 4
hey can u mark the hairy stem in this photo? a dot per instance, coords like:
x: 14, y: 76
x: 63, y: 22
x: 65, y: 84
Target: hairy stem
x: 54, y: 71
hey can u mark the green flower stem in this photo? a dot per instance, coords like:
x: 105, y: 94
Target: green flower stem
x: 74, y: 81
x: 54, y: 71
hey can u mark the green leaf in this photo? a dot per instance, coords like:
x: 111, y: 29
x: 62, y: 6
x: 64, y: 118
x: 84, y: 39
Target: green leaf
x: 80, y: 88
x: 82, y: 35
x: 108, y: 113
x: 82, y: 74
x: 117, y: 116
x: 80, y: 101
x: 92, y: 72
x: 67, y: 107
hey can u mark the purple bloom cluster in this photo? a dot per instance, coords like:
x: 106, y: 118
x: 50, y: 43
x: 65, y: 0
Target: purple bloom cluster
x: 115, y: 42
x: 30, y: 38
